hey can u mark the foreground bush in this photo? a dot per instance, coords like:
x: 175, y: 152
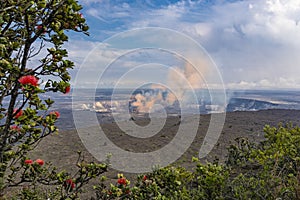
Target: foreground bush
x: 268, y: 170
x: 33, y: 62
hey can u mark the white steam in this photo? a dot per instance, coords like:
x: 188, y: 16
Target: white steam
x: 179, y: 81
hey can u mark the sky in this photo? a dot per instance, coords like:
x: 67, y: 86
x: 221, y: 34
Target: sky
x: 246, y: 44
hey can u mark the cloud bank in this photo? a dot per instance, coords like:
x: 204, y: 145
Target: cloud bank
x: 254, y: 43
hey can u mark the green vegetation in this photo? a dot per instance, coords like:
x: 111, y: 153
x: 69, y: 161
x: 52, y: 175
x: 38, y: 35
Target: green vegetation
x: 35, y: 30
x: 268, y: 170
x: 29, y: 29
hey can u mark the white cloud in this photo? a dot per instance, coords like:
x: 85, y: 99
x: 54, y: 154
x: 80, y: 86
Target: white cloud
x: 255, y: 43
x: 89, y: 2
x: 279, y: 83
x: 79, y: 49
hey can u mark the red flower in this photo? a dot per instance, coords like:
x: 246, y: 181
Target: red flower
x: 144, y: 178
x: 17, y: 114
x: 40, y: 27
x: 29, y: 80
x: 127, y: 191
x: 70, y: 183
x: 28, y: 162
x: 122, y: 181
x: 40, y: 162
x: 67, y: 89
x: 56, y: 113
x: 15, y: 128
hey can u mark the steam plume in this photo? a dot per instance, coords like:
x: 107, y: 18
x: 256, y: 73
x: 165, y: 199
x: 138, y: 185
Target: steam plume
x: 179, y: 81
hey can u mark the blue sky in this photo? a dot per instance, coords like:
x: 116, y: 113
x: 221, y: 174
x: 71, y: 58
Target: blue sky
x: 254, y: 43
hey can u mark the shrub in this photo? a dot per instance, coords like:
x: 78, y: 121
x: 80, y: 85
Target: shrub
x: 270, y: 169
x: 265, y: 170
x: 29, y: 30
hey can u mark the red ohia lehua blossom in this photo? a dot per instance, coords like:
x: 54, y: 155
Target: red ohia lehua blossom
x: 15, y: 128
x: 127, y: 191
x: 122, y: 181
x: 39, y: 161
x: 67, y: 90
x: 56, y: 113
x: 17, y: 113
x: 29, y: 80
x: 144, y: 178
x: 28, y: 162
x: 40, y: 27
x: 70, y: 183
